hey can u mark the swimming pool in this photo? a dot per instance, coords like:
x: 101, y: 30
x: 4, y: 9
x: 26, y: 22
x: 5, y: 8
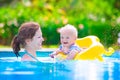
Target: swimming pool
x: 48, y: 69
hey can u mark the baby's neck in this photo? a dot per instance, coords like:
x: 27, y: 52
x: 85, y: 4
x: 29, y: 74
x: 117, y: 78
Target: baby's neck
x: 68, y: 46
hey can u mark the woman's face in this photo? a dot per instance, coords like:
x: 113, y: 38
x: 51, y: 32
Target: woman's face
x: 37, y: 40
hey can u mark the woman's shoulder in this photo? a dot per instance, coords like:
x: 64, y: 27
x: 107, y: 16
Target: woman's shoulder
x: 26, y: 58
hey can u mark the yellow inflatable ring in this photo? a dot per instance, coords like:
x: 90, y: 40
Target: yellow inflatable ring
x: 94, y: 49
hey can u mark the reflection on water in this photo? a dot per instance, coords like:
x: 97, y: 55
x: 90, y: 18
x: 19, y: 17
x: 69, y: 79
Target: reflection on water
x: 66, y: 70
x: 69, y: 70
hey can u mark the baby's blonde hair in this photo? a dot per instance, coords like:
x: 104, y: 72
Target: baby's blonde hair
x: 69, y: 28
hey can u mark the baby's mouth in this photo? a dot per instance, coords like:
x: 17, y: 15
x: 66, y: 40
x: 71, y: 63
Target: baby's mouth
x: 65, y: 42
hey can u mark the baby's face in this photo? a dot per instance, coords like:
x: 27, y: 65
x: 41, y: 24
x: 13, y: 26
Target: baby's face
x: 67, y: 39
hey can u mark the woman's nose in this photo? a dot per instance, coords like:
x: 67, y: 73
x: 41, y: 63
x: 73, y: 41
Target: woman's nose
x: 42, y: 39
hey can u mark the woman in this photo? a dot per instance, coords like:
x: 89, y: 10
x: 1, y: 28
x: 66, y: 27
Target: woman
x: 30, y: 37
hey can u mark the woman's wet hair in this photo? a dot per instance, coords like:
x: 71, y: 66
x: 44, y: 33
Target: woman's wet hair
x: 26, y: 31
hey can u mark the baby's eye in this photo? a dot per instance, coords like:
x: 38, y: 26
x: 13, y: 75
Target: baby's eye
x: 62, y: 37
x: 67, y: 37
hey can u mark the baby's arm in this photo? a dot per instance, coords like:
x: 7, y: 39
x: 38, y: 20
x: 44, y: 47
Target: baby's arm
x: 72, y: 54
x: 55, y: 53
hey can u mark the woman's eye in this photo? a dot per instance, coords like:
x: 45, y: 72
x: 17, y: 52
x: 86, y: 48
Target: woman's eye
x: 39, y: 37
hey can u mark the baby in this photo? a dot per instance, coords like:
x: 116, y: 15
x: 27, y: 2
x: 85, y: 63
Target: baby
x: 68, y: 36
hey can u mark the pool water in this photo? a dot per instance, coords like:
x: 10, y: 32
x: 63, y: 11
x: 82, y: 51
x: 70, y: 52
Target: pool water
x: 48, y: 69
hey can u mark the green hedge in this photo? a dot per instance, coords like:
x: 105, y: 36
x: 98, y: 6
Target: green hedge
x: 53, y: 14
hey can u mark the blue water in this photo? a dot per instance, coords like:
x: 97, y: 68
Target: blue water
x: 47, y: 69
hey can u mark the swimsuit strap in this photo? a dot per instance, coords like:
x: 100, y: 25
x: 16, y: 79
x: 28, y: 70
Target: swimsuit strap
x: 31, y: 56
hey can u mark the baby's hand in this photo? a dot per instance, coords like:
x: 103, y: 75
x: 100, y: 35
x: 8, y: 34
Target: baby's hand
x: 54, y: 53
x: 51, y: 55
